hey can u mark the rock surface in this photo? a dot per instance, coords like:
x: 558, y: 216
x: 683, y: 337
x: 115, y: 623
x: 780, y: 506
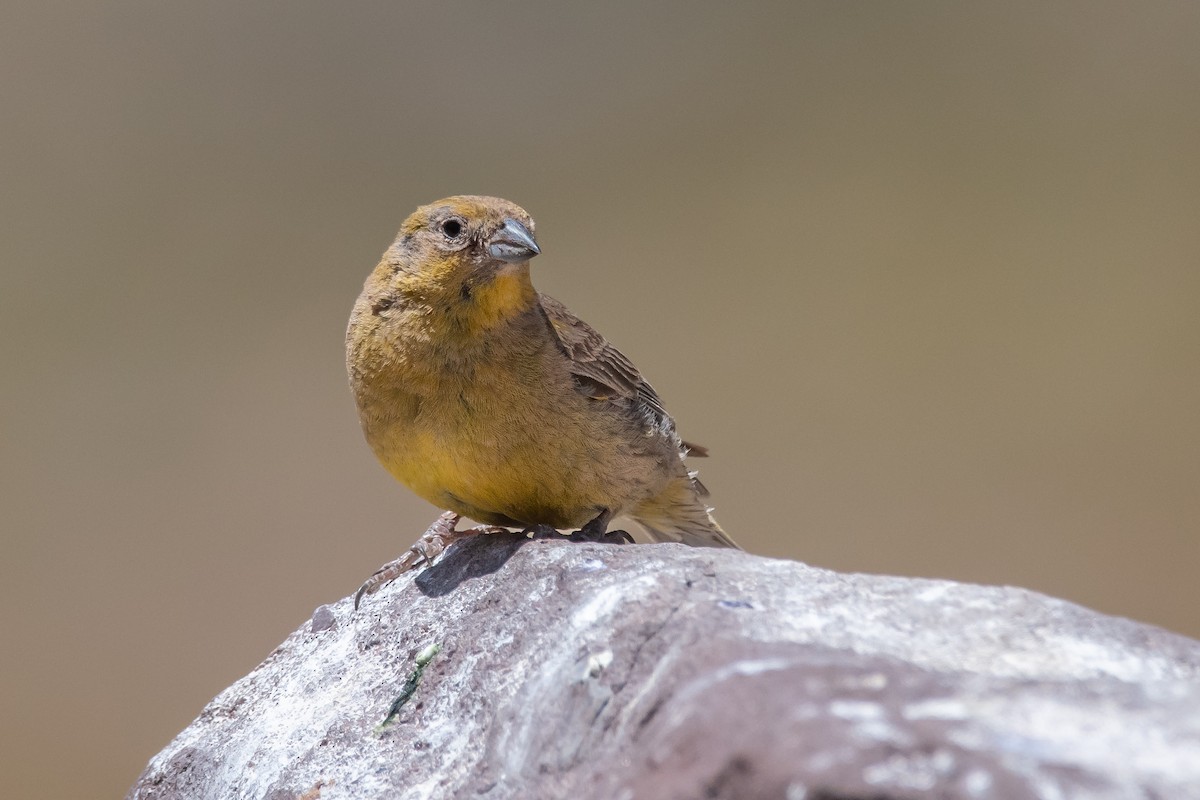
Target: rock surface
x: 660, y: 671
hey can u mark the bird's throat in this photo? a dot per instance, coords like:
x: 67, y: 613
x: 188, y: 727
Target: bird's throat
x: 491, y: 302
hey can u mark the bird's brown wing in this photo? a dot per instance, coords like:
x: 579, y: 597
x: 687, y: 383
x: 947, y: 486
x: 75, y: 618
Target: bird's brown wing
x: 601, y: 371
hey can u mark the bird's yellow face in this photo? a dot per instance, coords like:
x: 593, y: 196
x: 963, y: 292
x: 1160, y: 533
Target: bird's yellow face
x: 467, y: 256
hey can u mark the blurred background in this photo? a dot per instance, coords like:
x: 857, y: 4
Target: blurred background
x: 925, y: 278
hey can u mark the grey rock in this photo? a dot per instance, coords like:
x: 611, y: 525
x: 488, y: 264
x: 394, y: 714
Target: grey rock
x: 661, y: 671
x: 323, y: 619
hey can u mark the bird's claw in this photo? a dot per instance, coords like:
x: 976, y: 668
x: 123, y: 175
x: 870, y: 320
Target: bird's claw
x: 588, y: 533
x: 440, y: 535
x: 597, y: 531
x: 607, y: 537
x: 541, y: 531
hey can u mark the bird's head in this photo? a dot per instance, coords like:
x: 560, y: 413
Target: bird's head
x: 467, y: 231
x: 467, y: 256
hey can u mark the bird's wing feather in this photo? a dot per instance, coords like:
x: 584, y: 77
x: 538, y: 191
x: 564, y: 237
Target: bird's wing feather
x: 600, y: 370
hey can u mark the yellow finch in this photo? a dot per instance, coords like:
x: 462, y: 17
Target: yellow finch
x: 492, y: 400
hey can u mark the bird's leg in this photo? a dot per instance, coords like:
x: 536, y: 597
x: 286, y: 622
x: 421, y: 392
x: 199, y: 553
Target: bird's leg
x: 597, y: 531
x: 440, y: 535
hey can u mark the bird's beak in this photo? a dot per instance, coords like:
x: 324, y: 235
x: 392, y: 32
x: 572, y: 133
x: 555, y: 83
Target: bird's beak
x: 512, y: 243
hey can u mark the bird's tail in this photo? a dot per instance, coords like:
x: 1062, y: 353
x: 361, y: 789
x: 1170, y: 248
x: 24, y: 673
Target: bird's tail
x: 679, y: 514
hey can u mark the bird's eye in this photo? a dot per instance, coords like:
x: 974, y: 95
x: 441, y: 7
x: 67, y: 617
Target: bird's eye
x: 452, y: 228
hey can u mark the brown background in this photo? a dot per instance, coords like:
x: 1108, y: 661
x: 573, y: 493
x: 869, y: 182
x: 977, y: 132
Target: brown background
x: 924, y: 277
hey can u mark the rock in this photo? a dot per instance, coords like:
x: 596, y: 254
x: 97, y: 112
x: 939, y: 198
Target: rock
x: 556, y: 670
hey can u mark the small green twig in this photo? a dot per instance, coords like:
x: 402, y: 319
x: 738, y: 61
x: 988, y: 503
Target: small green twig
x: 410, y: 685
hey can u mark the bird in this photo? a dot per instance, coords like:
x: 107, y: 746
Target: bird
x: 493, y: 401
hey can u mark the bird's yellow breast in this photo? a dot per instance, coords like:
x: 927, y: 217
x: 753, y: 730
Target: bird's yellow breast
x: 501, y: 451
x: 476, y: 411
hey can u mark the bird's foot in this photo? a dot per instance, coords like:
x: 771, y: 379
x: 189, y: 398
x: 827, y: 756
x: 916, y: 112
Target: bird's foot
x: 597, y: 531
x: 440, y: 535
x: 605, y: 537
x: 541, y: 531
